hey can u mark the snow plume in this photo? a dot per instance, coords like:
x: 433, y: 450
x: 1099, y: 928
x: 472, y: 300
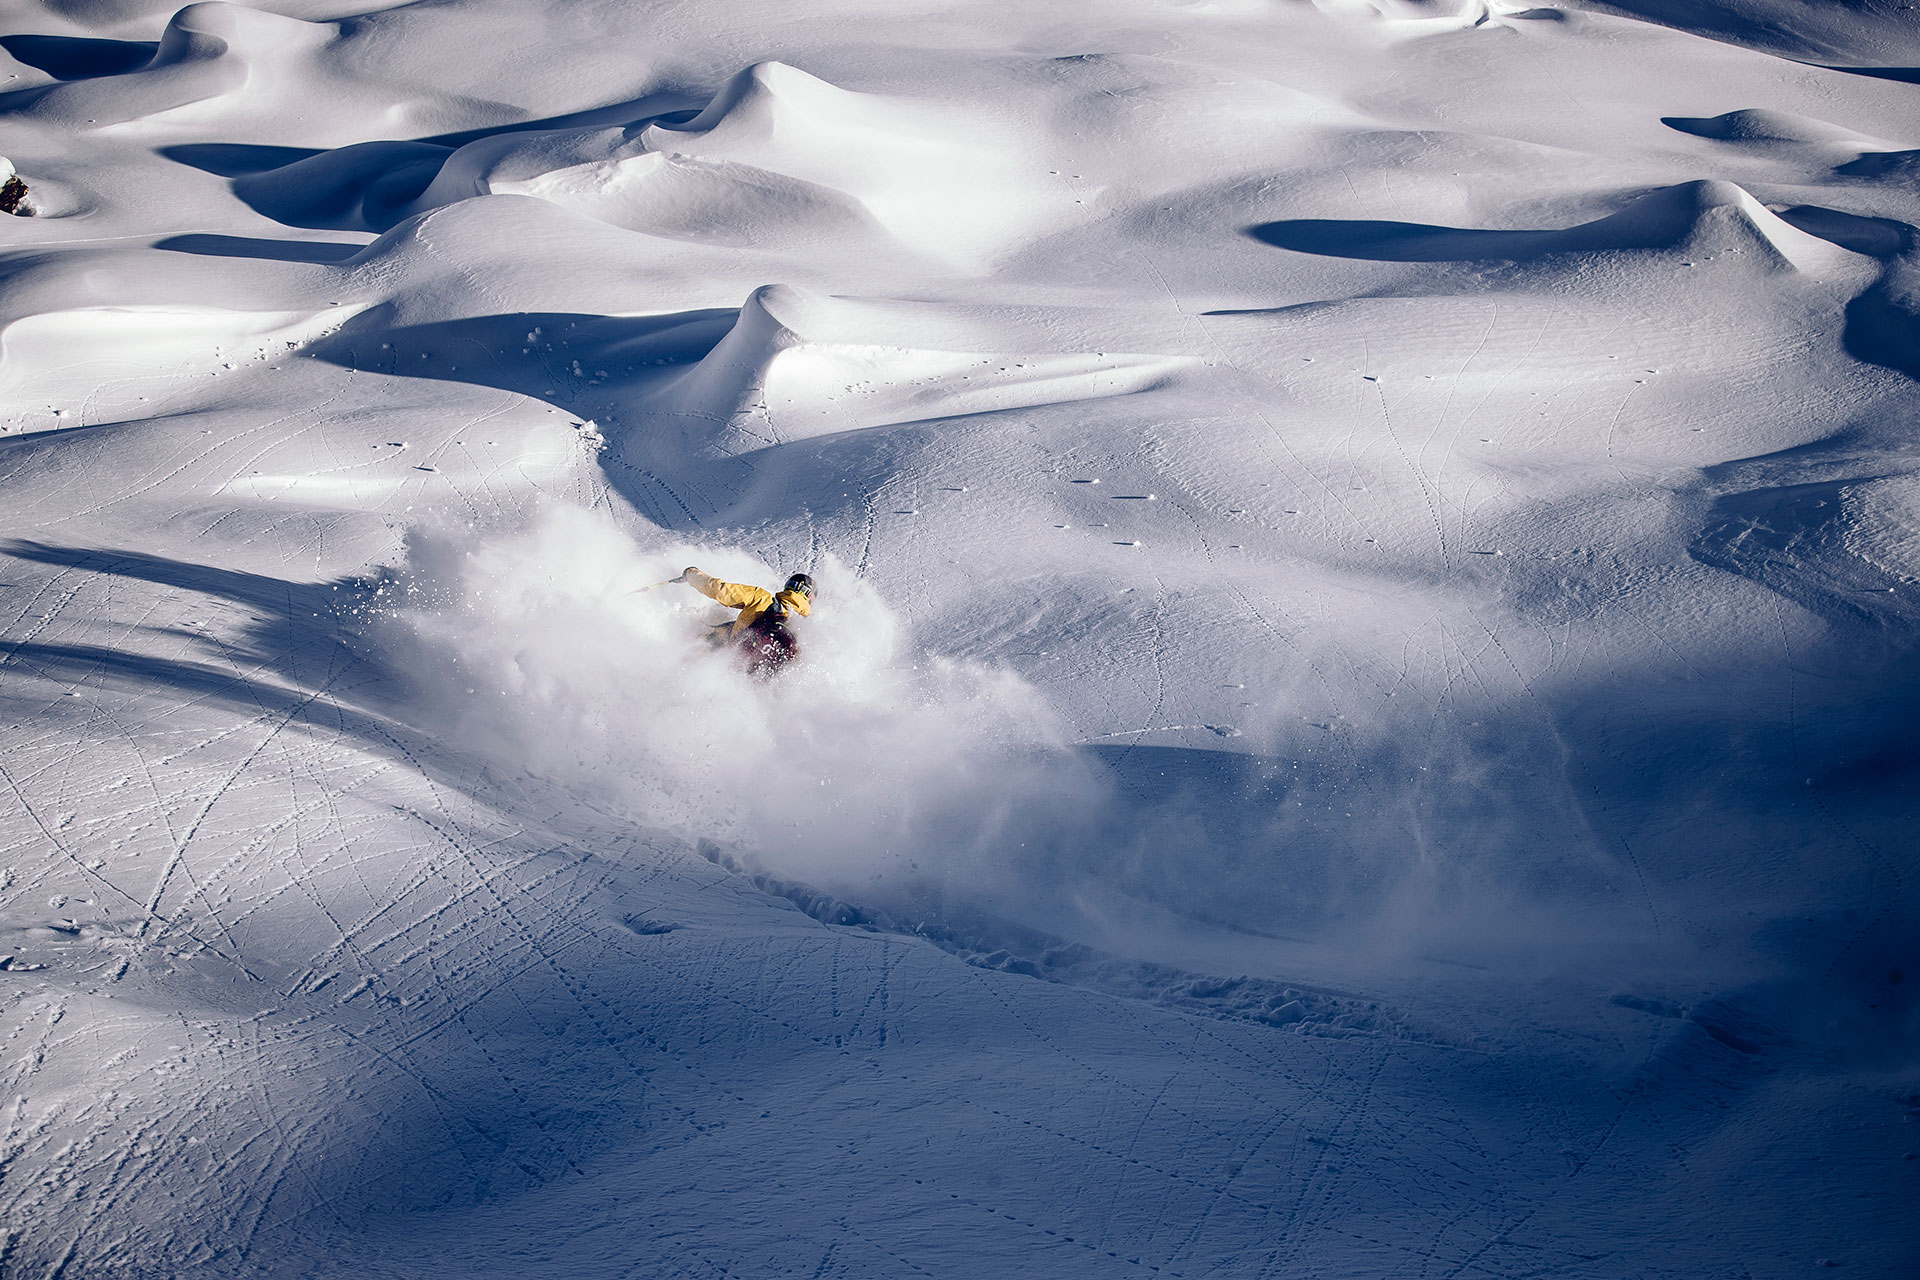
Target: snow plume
x: 942, y: 789
x: 1379, y: 838
x: 863, y: 767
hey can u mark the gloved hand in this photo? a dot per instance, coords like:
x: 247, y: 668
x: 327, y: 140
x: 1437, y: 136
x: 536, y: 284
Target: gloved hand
x: 687, y: 572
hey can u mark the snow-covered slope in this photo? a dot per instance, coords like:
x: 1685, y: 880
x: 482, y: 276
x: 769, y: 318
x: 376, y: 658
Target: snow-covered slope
x: 1357, y: 720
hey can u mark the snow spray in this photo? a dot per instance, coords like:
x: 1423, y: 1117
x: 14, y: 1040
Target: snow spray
x: 861, y: 767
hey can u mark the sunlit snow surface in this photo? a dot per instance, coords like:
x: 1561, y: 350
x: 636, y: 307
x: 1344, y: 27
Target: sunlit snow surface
x: 1358, y: 721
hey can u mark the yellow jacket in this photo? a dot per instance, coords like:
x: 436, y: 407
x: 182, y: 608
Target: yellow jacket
x: 750, y: 601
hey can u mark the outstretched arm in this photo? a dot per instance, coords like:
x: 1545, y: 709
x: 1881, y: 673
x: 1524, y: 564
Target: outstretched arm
x: 735, y: 595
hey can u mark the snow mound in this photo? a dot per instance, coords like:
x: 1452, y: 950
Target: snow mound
x: 780, y: 155
x: 1700, y: 221
x: 215, y: 60
x: 609, y: 174
x: 368, y: 186
x: 798, y: 364
x: 231, y: 75
x: 1709, y: 218
x: 1757, y: 125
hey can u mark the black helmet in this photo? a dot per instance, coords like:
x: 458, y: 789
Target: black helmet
x: 802, y: 583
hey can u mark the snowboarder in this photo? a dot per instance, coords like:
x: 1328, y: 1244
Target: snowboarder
x: 760, y: 631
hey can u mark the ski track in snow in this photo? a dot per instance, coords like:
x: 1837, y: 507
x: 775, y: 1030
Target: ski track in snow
x: 1359, y: 702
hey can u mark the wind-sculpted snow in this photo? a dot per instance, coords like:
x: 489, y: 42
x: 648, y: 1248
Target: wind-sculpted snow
x: 1761, y: 128
x: 208, y: 53
x: 1357, y: 721
x: 795, y: 366
x: 779, y: 155
x: 1703, y: 219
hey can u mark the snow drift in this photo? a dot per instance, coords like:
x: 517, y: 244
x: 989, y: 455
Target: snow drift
x: 780, y: 155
